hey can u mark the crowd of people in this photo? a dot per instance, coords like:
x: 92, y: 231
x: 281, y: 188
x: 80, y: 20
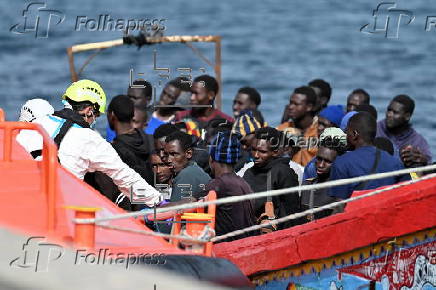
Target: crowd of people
x: 179, y: 149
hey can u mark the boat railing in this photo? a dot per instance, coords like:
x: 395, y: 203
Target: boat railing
x: 234, y: 199
x: 49, y: 162
x: 177, y: 221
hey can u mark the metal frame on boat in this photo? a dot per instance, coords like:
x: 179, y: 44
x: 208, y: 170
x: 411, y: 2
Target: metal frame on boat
x: 187, y: 39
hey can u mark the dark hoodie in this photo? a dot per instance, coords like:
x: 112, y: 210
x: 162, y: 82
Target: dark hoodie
x: 282, y: 176
x: 135, y: 149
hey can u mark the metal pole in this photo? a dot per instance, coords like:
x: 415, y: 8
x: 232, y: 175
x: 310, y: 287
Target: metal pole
x: 74, y: 77
x: 218, y: 101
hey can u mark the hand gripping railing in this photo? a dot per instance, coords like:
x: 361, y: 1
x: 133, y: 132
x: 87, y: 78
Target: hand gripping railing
x: 49, y: 163
x: 177, y: 220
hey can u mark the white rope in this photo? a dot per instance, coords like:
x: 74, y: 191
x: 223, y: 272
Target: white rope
x: 234, y: 199
x: 155, y: 234
x: 315, y: 210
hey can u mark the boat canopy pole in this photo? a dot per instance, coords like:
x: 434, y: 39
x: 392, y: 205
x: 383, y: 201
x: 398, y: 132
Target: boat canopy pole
x: 140, y: 40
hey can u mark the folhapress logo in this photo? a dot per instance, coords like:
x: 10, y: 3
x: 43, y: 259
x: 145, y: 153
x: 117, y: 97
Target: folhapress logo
x: 38, y: 19
x: 37, y: 255
x: 387, y: 20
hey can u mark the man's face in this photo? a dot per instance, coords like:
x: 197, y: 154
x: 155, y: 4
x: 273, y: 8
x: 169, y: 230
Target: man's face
x: 352, y: 137
x: 169, y: 95
x: 138, y: 97
x: 323, y: 123
x: 242, y: 102
x: 200, y: 95
x: 161, y: 170
x: 175, y: 156
x: 212, y: 166
x: 140, y: 119
x: 298, y: 107
x: 353, y: 101
x: 396, y: 115
x: 319, y: 105
x: 159, y: 145
x: 324, y: 161
x: 246, y: 142
x: 111, y: 120
x: 262, y: 152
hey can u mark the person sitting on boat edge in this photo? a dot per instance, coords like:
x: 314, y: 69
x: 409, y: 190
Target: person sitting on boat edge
x: 271, y: 172
x: 409, y: 145
x: 140, y: 93
x: 233, y: 216
x: 204, y: 90
x: 303, y: 124
x: 330, y: 147
x: 173, y: 91
x: 363, y: 159
x: 81, y: 149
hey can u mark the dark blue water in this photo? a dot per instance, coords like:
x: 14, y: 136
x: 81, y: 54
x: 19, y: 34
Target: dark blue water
x: 274, y: 46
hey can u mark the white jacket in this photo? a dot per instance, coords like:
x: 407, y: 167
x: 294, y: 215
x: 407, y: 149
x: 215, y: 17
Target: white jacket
x: 84, y: 150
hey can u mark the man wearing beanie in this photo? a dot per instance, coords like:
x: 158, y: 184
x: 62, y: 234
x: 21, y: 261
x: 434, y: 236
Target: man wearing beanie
x: 331, y: 116
x: 245, y: 126
x: 233, y: 216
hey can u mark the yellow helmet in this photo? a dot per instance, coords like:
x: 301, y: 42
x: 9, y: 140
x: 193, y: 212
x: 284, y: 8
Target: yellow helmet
x: 87, y: 90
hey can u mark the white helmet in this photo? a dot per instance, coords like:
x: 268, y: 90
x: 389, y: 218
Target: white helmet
x: 35, y: 108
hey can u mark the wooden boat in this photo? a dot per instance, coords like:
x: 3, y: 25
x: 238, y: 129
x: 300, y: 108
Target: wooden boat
x: 386, y: 241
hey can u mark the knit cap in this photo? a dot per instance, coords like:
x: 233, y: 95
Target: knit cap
x: 225, y: 148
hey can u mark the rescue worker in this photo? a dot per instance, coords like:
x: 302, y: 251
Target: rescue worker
x: 81, y: 149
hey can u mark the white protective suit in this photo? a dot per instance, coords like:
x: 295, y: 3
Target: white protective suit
x: 84, y: 150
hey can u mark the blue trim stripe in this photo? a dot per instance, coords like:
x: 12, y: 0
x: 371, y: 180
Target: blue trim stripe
x: 61, y: 122
x: 58, y: 120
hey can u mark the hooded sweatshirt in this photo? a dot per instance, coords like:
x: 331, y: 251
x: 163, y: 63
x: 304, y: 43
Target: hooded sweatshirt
x: 135, y: 149
x: 408, y: 137
x: 282, y: 176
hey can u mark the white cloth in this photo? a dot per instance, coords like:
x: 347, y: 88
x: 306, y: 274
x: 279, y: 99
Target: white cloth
x: 84, y: 150
x: 298, y: 169
x: 246, y: 166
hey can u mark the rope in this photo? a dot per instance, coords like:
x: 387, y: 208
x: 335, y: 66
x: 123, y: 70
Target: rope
x: 277, y: 192
x: 315, y: 210
x: 156, y: 234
